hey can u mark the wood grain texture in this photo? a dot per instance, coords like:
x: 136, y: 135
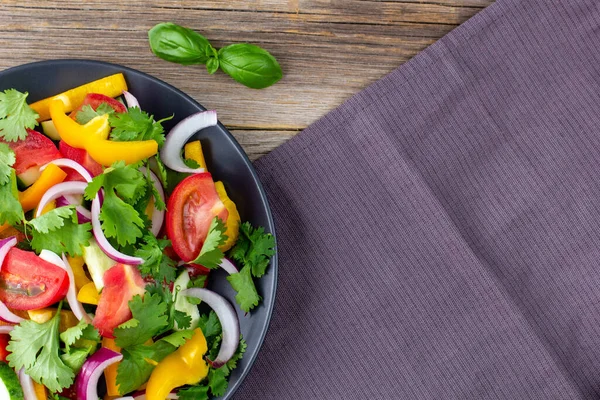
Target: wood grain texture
x: 328, y: 49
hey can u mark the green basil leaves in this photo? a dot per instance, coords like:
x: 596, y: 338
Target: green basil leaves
x: 248, y: 64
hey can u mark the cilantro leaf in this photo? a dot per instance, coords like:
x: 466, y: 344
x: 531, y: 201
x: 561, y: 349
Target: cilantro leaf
x: 181, y: 319
x: 35, y: 347
x: 210, y: 325
x: 60, y: 232
x: 135, y: 124
x: 217, y: 381
x: 11, y: 211
x: 156, y: 263
x: 191, y: 163
x: 247, y: 296
x: 158, y: 201
x: 87, y: 112
x: 210, y: 255
x: 120, y: 220
x: 150, y: 312
x: 76, y: 356
x: 134, y: 370
x: 7, y: 159
x: 193, y: 393
x: 82, y: 330
x: 178, y: 338
x: 15, y: 115
x: 254, y: 247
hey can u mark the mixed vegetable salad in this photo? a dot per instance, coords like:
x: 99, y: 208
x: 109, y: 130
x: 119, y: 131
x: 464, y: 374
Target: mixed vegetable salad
x: 107, y: 238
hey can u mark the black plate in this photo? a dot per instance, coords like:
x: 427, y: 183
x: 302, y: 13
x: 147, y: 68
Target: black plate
x: 225, y: 160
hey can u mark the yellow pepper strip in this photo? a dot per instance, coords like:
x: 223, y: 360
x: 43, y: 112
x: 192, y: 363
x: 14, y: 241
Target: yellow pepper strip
x: 110, y: 373
x: 185, y: 366
x: 49, y: 207
x: 30, y: 198
x: 233, y: 218
x: 40, y: 391
x: 93, y: 138
x: 67, y: 318
x: 193, y: 151
x: 88, y: 294
x: 81, y: 279
x: 111, y: 86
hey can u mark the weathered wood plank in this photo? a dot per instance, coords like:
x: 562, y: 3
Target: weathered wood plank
x: 259, y: 143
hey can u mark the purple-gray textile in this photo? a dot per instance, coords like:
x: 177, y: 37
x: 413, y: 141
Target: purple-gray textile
x: 439, y: 233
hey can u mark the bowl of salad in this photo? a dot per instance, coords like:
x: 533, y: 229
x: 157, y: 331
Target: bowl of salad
x: 137, y: 248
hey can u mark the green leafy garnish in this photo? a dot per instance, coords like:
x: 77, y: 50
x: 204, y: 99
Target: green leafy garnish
x: 15, y: 115
x: 35, y: 347
x: 254, y: 247
x: 149, y: 319
x: 193, y: 393
x: 210, y: 325
x: 7, y: 160
x: 247, y: 296
x: 134, y: 370
x: 79, y: 333
x: 75, y: 357
x: 156, y: 263
x: 87, y: 113
x: 136, y: 124
x: 59, y: 231
x: 210, y: 255
x: 11, y: 211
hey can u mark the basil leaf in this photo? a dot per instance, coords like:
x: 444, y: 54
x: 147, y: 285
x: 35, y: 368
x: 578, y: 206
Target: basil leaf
x: 212, y: 65
x: 250, y: 65
x: 177, y: 44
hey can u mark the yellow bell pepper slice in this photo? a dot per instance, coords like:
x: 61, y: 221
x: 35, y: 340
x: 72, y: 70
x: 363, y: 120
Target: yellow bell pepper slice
x: 81, y: 279
x: 233, y: 218
x: 74, y: 134
x: 111, y: 86
x: 67, y: 318
x: 185, y: 366
x: 193, y: 151
x: 40, y: 391
x: 110, y: 373
x: 107, y: 152
x: 30, y: 198
x: 88, y: 294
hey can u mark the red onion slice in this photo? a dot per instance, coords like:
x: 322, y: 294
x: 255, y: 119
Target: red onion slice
x: 68, y: 163
x: 87, y: 379
x: 158, y: 216
x: 142, y: 396
x: 4, y: 329
x: 131, y: 100
x: 104, y: 244
x: 5, y: 314
x: 58, y: 190
x: 228, y: 266
x: 178, y: 137
x: 83, y: 214
x: 27, y: 385
x: 227, y: 318
x: 75, y: 305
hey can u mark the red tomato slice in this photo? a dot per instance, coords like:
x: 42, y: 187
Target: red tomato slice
x: 33, y: 151
x: 82, y: 157
x: 95, y: 99
x: 192, y: 206
x: 3, y: 343
x: 121, y: 283
x: 28, y: 283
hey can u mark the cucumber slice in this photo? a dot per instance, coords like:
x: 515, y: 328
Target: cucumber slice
x: 29, y: 176
x: 10, y: 387
x: 181, y: 302
x: 50, y: 130
x: 97, y: 263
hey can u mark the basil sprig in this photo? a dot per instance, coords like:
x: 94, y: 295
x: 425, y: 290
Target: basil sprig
x: 248, y: 64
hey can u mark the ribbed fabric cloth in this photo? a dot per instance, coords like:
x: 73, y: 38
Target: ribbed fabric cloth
x: 439, y: 233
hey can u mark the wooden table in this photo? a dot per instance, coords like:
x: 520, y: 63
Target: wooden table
x: 328, y: 49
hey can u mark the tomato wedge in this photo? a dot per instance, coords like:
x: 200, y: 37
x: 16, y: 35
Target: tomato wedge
x: 82, y: 157
x: 192, y: 206
x: 121, y: 283
x: 96, y: 99
x: 4, y: 339
x: 28, y: 283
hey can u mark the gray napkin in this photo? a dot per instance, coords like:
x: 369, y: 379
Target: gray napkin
x: 439, y: 233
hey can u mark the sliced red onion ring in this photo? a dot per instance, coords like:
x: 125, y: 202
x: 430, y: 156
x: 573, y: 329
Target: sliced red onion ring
x: 178, y: 137
x: 227, y: 318
x: 142, y: 396
x: 83, y: 214
x: 5, y: 314
x: 92, y: 369
x: 75, y: 305
x: 27, y: 385
x: 104, y: 244
x: 228, y: 266
x: 58, y: 190
x: 68, y: 163
x: 131, y: 100
x: 6, y: 329
x: 158, y: 216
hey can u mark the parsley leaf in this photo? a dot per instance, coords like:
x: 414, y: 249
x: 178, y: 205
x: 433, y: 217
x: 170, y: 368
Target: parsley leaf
x: 210, y: 325
x: 82, y: 330
x: 35, y: 347
x: 210, y: 256
x: 254, y: 248
x: 151, y: 316
x: 135, y: 124
x: 178, y: 338
x: 217, y: 381
x: 76, y: 356
x: 11, y: 211
x: 247, y: 296
x: 181, y: 319
x: 193, y: 393
x: 134, y: 370
x: 60, y: 232
x: 15, y: 115
x: 156, y: 263
x: 87, y: 112
x: 7, y: 159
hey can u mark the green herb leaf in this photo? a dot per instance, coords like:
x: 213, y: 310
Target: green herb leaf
x: 247, y: 296
x: 135, y: 124
x: 82, y: 330
x: 52, y: 220
x: 76, y: 356
x: 210, y: 325
x: 60, y: 231
x: 217, y: 381
x: 134, y: 370
x: 178, y: 338
x: 250, y: 65
x: 210, y: 255
x: 15, y: 115
x: 35, y: 347
x: 212, y: 65
x: 254, y: 248
x: 177, y: 44
x: 7, y: 160
x: 11, y: 211
x: 156, y: 263
x: 87, y: 113
x: 150, y: 314
x: 193, y: 393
